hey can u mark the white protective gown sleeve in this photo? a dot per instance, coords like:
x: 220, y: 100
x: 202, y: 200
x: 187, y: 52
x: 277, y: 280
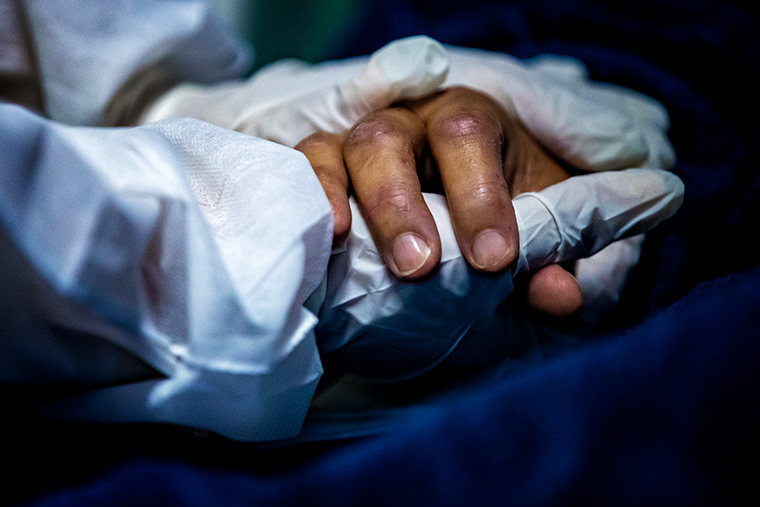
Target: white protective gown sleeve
x: 180, y: 246
x: 87, y: 50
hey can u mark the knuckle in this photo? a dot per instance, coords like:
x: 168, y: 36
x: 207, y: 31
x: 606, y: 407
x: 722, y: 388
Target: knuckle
x: 466, y: 123
x: 317, y: 140
x: 483, y: 193
x: 389, y: 203
x: 375, y: 132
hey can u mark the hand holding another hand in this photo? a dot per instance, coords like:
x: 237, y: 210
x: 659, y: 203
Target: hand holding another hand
x: 459, y: 142
x: 542, y: 111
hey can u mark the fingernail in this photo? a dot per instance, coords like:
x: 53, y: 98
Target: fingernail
x: 489, y: 249
x: 409, y: 253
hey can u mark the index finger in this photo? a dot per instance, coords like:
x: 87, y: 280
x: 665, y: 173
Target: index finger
x: 325, y: 154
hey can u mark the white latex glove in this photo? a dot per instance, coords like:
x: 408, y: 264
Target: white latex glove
x: 593, y: 126
x: 382, y: 327
x: 182, y: 247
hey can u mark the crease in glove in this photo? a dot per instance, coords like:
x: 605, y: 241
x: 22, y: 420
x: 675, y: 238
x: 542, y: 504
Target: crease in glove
x: 407, y: 68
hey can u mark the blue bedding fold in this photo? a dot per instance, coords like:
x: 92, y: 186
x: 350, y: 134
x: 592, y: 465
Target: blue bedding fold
x: 663, y: 411
x: 666, y: 414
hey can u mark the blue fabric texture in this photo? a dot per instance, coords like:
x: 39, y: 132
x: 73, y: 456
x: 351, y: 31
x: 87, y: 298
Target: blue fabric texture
x: 663, y: 410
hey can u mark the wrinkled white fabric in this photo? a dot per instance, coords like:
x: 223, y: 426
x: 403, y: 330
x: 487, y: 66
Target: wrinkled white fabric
x: 185, y: 245
x: 87, y: 50
x: 410, y: 328
x: 192, y: 249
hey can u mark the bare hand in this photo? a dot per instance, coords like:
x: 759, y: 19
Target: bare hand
x: 461, y: 143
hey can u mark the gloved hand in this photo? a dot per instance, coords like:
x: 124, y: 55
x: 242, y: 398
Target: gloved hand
x: 373, y: 324
x: 593, y: 126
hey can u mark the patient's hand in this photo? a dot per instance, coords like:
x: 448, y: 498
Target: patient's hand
x: 459, y: 142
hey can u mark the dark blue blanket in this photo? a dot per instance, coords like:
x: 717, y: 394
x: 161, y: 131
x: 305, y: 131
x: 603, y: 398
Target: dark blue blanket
x: 664, y: 410
x: 664, y: 415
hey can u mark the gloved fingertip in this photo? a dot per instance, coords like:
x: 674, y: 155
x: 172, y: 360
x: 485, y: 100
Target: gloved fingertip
x: 580, y: 216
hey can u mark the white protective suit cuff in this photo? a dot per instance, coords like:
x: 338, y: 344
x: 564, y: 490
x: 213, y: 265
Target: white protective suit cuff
x: 185, y: 245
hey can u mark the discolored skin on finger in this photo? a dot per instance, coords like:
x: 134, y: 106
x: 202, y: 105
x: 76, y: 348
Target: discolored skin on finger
x: 552, y: 290
x: 325, y: 154
x: 528, y: 166
x: 381, y: 154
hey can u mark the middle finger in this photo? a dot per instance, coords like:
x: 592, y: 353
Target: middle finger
x: 467, y: 133
x: 381, y: 154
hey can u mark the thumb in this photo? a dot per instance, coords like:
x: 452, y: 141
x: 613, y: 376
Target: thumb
x: 580, y: 216
x: 404, y: 69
